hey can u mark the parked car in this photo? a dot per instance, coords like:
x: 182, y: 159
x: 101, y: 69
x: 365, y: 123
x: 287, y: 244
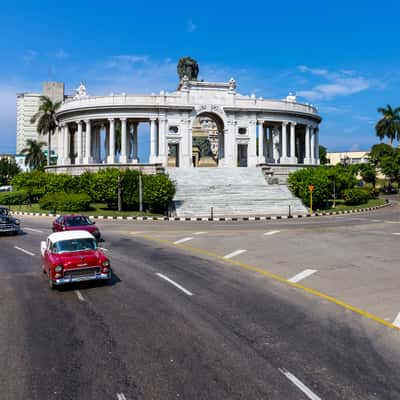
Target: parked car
x: 8, y: 224
x: 74, y: 223
x: 73, y: 256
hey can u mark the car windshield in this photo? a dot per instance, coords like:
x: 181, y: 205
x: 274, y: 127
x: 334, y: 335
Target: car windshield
x: 78, y: 221
x: 64, y: 246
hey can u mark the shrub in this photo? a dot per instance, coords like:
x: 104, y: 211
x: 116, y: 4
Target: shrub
x: 158, y: 191
x: 65, y: 202
x: 356, y: 196
x: 10, y: 198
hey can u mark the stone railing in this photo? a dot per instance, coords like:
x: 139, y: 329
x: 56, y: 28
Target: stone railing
x: 180, y: 99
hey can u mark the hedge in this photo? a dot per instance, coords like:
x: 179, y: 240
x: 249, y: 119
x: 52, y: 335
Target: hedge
x: 11, y: 198
x: 65, y: 202
x: 356, y: 196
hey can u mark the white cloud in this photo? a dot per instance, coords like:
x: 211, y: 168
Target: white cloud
x: 343, y: 83
x: 29, y: 56
x: 61, y: 54
x: 191, y: 27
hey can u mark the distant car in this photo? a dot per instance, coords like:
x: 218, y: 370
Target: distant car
x: 74, y: 223
x: 8, y: 224
x: 73, y: 256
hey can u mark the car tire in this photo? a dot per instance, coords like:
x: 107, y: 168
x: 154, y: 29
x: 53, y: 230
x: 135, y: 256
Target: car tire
x: 52, y: 286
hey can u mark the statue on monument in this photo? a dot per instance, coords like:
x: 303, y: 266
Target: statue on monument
x: 81, y: 92
x: 189, y: 67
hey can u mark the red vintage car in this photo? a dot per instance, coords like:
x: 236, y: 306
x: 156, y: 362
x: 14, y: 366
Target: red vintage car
x: 73, y: 256
x: 76, y: 223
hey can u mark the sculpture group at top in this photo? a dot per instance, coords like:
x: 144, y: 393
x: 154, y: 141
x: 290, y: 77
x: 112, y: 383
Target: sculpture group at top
x: 188, y: 67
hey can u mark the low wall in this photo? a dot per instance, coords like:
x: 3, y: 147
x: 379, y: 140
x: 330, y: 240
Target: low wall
x: 79, y: 169
x: 279, y: 173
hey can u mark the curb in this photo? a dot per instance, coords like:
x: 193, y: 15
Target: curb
x: 216, y: 219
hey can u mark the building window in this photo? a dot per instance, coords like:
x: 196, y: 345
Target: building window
x: 242, y: 131
x: 173, y: 130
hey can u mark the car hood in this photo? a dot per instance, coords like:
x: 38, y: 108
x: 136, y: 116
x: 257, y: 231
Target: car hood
x: 79, y: 259
x: 88, y: 228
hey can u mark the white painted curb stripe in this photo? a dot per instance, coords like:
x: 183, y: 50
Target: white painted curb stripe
x: 302, y: 275
x: 79, y: 295
x: 271, y: 233
x: 177, y: 285
x: 306, y: 390
x: 121, y: 396
x: 186, y: 239
x: 234, y: 254
x: 200, y: 233
x: 33, y: 230
x: 396, y: 233
x: 396, y: 322
x: 24, y: 251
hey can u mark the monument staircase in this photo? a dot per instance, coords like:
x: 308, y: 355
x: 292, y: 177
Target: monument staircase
x: 230, y: 192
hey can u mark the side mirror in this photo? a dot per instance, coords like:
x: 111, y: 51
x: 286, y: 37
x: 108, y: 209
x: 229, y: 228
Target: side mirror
x: 42, y: 247
x: 93, y: 222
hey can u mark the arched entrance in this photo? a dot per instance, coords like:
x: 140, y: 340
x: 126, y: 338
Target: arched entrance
x: 207, y: 140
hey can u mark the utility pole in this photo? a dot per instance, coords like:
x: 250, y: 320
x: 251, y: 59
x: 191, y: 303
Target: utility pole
x: 140, y: 193
x: 119, y: 194
x: 334, y: 192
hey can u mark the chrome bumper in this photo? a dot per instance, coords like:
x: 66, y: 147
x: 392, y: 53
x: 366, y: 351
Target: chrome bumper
x: 83, y: 278
x: 7, y: 230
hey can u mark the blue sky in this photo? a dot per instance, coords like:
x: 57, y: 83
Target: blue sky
x: 342, y: 56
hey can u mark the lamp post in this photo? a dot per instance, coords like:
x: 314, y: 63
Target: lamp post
x: 334, y: 192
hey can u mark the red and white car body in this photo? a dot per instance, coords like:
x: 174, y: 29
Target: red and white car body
x: 73, y: 256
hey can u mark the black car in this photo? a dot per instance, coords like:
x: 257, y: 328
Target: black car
x: 8, y: 224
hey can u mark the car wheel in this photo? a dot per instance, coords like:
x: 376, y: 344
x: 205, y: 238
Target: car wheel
x: 52, y: 286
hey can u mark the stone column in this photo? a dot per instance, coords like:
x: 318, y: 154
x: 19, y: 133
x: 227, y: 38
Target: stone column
x: 88, y: 143
x: 162, y: 142
x: 312, y: 145
x: 60, y: 158
x: 284, y: 157
x: 293, y: 158
x: 78, y: 159
x: 261, y: 157
x: 153, y: 139
x: 307, y: 158
x: 275, y: 141
x: 111, y: 154
x: 316, y: 133
x: 252, y: 146
x: 135, y: 157
x: 67, y: 159
x: 270, y: 146
x: 123, y: 157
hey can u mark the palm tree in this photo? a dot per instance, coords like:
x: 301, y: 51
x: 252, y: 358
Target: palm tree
x: 389, y: 125
x: 46, y: 120
x: 34, y: 155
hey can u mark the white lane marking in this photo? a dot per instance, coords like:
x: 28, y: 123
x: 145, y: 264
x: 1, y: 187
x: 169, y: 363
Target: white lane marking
x: 396, y: 322
x: 200, y: 233
x: 271, y: 233
x: 24, y: 251
x: 234, y: 254
x: 306, y: 390
x: 79, y: 295
x: 177, y: 285
x: 135, y: 232
x: 396, y: 233
x: 32, y: 230
x: 302, y: 275
x: 121, y: 396
x: 186, y: 239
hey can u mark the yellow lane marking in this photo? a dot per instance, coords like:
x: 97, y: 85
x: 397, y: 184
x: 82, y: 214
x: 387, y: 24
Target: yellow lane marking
x: 278, y: 278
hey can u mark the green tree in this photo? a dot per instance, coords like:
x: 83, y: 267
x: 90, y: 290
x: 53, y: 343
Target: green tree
x: 389, y: 125
x: 322, y: 155
x: 34, y: 155
x: 8, y: 169
x: 368, y: 173
x: 46, y: 120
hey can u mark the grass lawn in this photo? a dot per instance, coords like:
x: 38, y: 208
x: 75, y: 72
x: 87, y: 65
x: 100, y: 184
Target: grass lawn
x: 340, y: 206
x: 98, y: 209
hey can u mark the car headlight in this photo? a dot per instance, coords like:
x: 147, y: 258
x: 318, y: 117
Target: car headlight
x: 105, y: 263
x: 16, y: 222
x: 59, y: 268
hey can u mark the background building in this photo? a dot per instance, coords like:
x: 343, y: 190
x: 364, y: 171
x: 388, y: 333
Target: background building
x: 27, y: 107
x: 348, y: 157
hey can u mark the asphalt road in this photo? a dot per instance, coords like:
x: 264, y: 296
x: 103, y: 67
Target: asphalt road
x: 179, y: 323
